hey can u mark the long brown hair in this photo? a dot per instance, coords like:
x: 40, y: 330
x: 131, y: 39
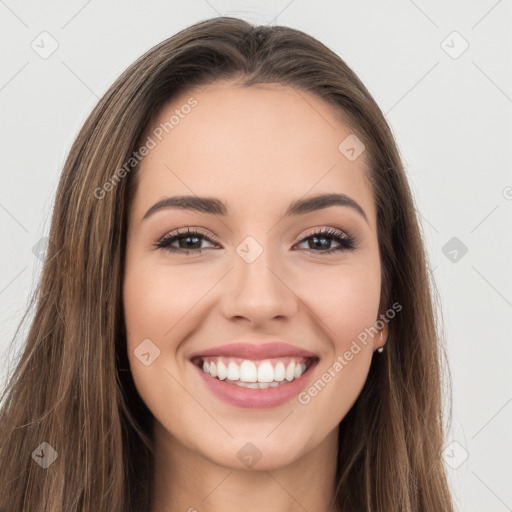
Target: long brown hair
x: 72, y: 388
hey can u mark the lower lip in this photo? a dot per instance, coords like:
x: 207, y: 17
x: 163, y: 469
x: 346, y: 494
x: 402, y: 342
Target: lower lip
x: 255, y: 398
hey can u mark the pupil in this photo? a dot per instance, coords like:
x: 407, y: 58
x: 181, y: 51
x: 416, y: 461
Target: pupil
x: 195, y: 238
x: 320, y: 245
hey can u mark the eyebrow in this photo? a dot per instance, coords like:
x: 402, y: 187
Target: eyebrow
x: 215, y: 206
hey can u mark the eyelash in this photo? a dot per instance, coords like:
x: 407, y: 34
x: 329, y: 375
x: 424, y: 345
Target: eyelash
x: 347, y: 243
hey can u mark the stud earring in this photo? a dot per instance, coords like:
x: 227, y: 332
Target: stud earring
x: 380, y: 349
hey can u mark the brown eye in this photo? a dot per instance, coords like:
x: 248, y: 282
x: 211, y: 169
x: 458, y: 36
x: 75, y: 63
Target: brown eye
x: 189, y: 242
x: 323, y: 238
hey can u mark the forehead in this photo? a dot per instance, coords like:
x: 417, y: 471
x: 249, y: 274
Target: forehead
x: 257, y: 145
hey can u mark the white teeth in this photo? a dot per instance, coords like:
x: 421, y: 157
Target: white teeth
x: 222, y: 372
x: 248, y: 372
x: 257, y: 385
x: 251, y: 385
x: 255, y: 375
x: 265, y: 372
x: 233, y: 371
x: 290, y: 372
x: 279, y: 372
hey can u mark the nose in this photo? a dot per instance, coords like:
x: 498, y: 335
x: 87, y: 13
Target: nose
x: 258, y: 291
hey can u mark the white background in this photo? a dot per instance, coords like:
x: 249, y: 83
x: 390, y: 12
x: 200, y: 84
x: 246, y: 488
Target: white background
x: 451, y: 118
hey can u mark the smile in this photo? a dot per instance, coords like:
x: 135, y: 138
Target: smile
x: 254, y: 374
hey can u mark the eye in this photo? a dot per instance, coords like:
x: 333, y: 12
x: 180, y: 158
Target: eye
x: 320, y: 240
x: 189, y: 241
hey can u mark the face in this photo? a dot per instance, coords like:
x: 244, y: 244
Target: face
x: 253, y: 275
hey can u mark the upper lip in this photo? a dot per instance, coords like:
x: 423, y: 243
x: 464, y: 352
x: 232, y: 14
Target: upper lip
x: 255, y: 351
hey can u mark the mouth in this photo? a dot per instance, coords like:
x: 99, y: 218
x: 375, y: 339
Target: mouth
x: 254, y: 376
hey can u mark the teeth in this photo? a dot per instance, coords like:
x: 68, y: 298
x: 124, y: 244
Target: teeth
x: 257, y: 385
x: 222, y: 372
x: 233, y: 371
x: 255, y: 374
x: 279, y: 372
x: 290, y: 372
x: 248, y: 372
x: 251, y: 385
x: 265, y: 372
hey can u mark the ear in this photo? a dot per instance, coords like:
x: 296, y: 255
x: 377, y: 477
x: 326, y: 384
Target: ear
x: 380, y: 339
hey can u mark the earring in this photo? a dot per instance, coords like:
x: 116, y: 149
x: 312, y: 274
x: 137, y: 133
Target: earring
x: 380, y: 349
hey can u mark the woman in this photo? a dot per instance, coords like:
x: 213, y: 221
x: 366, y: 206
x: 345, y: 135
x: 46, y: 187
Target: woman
x: 290, y: 363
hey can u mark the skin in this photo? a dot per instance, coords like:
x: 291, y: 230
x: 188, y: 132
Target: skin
x: 257, y: 149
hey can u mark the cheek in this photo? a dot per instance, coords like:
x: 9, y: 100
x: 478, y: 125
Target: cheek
x: 153, y: 301
x: 161, y: 304
x: 165, y: 303
x: 346, y: 300
x: 158, y: 306
x: 346, y: 305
